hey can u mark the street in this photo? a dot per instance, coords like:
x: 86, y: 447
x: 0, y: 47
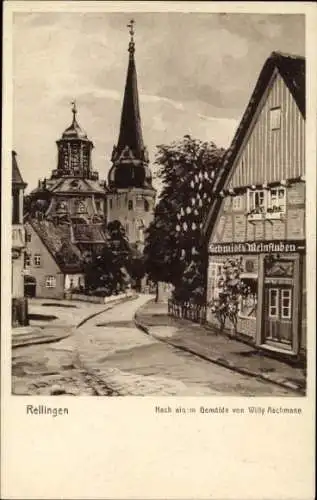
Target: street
x: 108, y: 355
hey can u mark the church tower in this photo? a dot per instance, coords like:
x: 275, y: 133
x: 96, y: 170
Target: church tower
x: 73, y: 194
x: 131, y: 196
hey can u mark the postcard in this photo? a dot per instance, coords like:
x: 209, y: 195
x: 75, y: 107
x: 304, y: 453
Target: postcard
x: 158, y: 250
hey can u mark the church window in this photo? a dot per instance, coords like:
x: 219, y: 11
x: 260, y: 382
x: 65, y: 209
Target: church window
x: 130, y: 205
x: 146, y: 206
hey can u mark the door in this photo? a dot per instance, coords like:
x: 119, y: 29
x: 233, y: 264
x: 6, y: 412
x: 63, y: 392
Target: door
x: 278, y: 315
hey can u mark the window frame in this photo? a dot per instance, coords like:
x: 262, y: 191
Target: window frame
x: 251, y: 194
x: 37, y: 260
x: 269, y: 199
x: 275, y: 119
x: 276, y: 306
x: 50, y: 281
x: 217, y: 267
x: 237, y: 206
x: 289, y: 307
x: 241, y: 315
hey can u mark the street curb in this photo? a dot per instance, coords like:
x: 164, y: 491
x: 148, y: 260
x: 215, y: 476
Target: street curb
x: 50, y: 340
x: 111, y: 306
x: 223, y: 362
x: 39, y: 340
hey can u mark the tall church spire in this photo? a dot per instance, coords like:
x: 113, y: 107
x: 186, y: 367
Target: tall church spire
x: 130, y: 126
x: 129, y: 156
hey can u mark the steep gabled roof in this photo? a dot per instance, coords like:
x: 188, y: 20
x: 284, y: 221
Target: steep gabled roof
x: 16, y: 174
x: 84, y: 233
x: 58, y: 241
x: 292, y: 70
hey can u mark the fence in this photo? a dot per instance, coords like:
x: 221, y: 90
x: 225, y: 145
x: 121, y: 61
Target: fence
x: 187, y: 310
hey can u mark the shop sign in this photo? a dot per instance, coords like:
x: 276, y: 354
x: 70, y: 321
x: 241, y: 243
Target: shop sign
x: 254, y: 247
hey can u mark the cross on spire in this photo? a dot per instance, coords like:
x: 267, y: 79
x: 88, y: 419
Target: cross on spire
x: 131, y: 31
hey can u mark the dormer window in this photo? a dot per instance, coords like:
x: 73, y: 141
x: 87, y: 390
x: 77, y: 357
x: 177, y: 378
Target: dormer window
x: 275, y: 118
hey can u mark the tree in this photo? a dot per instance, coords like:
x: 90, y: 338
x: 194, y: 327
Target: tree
x: 107, y: 269
x: 232, y: 288
x: 173, y: 250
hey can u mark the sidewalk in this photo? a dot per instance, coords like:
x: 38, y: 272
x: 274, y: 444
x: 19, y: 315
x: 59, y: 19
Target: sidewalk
x: 30, y: 335
x: 203, y: 342
x: 52, y: 320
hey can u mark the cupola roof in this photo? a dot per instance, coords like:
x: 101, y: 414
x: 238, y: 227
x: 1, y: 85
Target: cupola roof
x: 74, y: 131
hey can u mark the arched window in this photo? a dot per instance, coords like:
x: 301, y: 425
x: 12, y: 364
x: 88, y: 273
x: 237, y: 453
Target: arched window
x: 130, y: 205
x: 140, y: 230
x: 146, y: 206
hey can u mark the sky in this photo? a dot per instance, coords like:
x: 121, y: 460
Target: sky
x: 196, y: 73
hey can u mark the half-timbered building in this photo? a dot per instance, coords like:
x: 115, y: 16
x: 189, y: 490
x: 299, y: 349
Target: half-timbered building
x: 258, y: 212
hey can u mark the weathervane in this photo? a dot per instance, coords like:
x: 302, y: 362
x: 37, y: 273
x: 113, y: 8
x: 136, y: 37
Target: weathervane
x: 74, y: 108
x: 131, y: 31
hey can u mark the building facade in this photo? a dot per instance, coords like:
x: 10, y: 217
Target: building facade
x: 66, y: 219
x: 131, y: 196
x: 258, y: 217
x: 19, y: 302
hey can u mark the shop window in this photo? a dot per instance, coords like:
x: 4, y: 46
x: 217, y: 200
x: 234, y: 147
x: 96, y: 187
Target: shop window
x: 248, y: 301
x: 50, y: 282
x: 256, y: 201
x: 277, y: 200
x: 275, y: 118
x: 273, y: 302
x: 237, y: 203
x: 130, y: 205
x: 37, y: 260
x: 215, y: 275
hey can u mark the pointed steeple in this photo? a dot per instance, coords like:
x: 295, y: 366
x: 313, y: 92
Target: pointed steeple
x: 130, y: 158
x: 130, y: 126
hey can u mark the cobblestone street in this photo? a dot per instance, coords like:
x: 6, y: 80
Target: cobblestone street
x: 109, y: 355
